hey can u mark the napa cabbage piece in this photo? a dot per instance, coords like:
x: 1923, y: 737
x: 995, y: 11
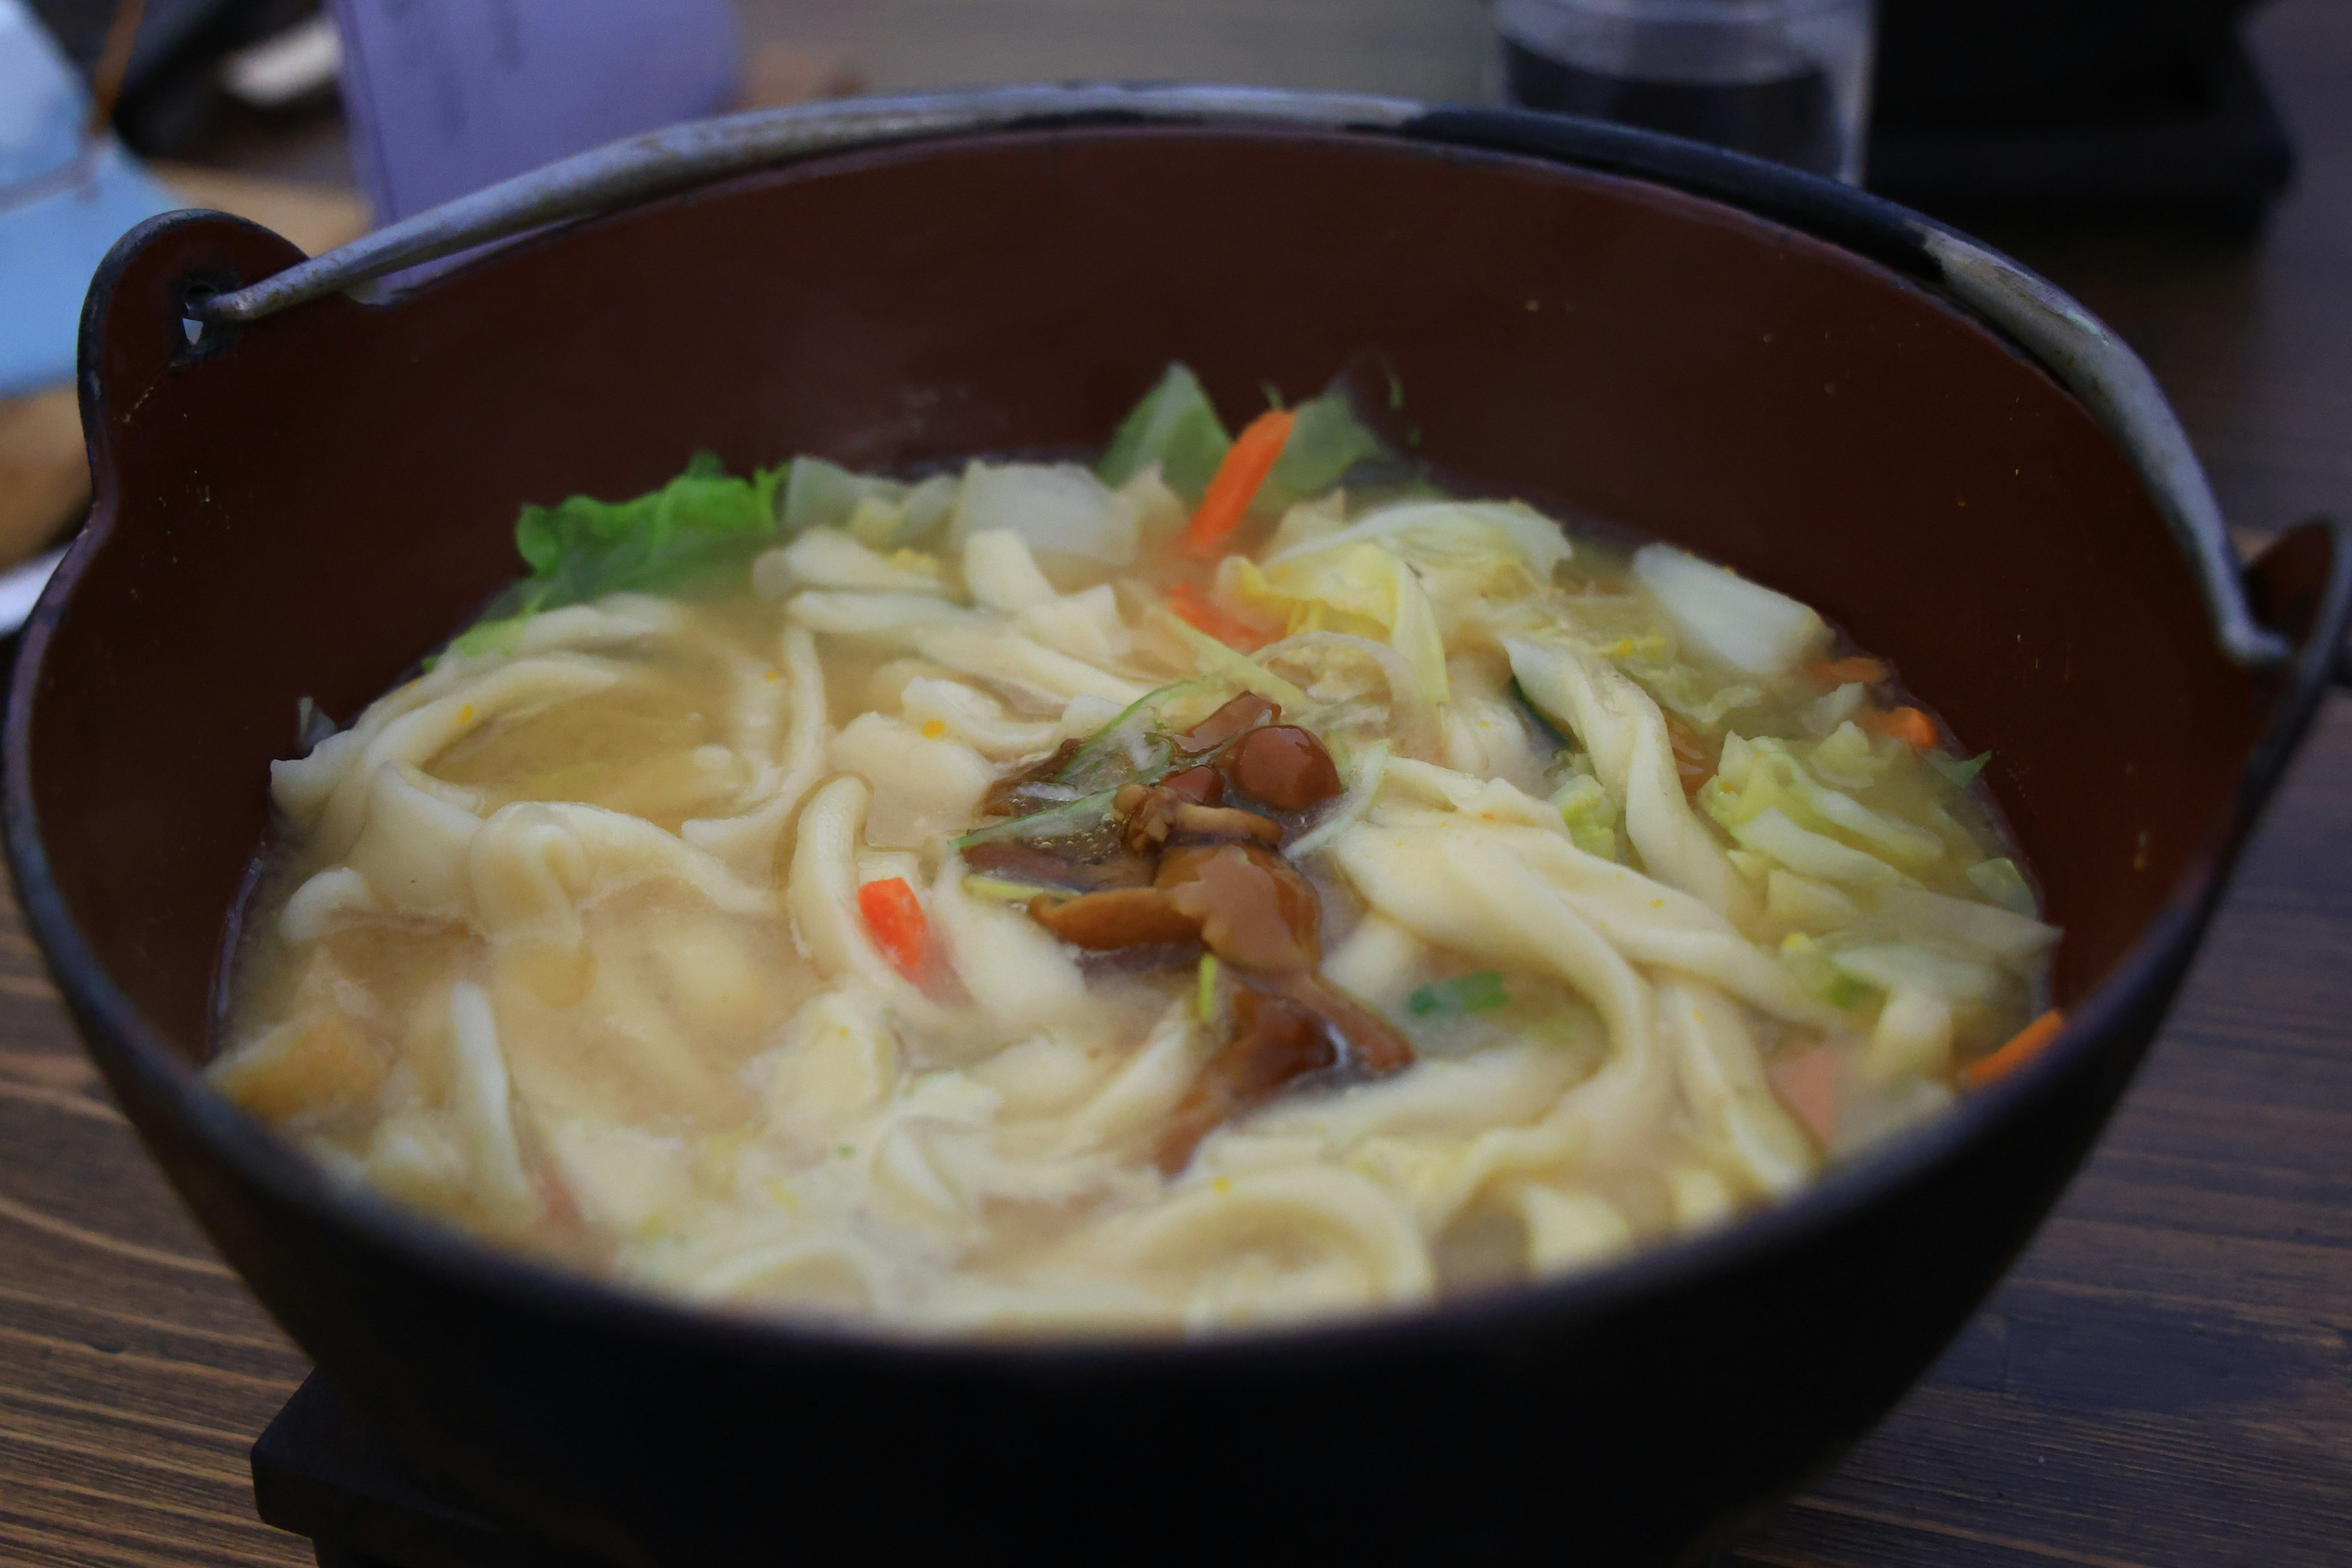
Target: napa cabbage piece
x: 1214, y: 659
x: 1963, y: 926
x: 2000, y: 881
x: 1175, y: 427
x: 877, y: 512
x: 1327, y: 440
x: 1482, y: 536
x: 701, y: 526
x: 1583, y: 804
x: 1686, y: 688
x: 1355, y: 587
x: 1763, y: 777
x: 1057, y: 507
x: 1743, y: 623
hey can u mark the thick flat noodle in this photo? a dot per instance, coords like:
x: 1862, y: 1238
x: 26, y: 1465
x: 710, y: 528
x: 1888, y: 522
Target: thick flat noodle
x: 1002, y: 574
x: 480, y: 1103
x: 1492, y: 800
x: 926, y: 786
x: 1154, y: 1079
x: 830, y: 558
x: 1569, y: 1227
x: 890, y: 618
x: 1362, y: 1247
x: 1394, y: 860
x: 1739, y: 1120
x: 1620, y: 725
x: 344, y: 765
x: 1020, y: 977
x: 1009, y: 658
x: 535, y: 863
x: 748, y: 842
x: 992, y: 993
x: 822, y: 894
x: 976, y: 719
x: 412, y: 849
x: 1086, y: 626
x: 1497, y: 911
x: 839, y: 1065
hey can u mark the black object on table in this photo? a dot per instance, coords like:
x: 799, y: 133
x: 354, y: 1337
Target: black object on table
x: 2209, y: 149
x: 1988, y: 110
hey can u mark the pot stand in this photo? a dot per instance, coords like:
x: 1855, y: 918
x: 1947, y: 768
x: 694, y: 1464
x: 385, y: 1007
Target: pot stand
x: 318, y: 1471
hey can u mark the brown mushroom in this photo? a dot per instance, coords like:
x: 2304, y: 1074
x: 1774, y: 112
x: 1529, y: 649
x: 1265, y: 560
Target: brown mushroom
x: 1151, y: 811
x: 1227, y: 722
x: 1283, y: 765
x: 1116, y: 918
x: 1032, y: 788
x: 1276, y: 1040
x: 1254, y: 910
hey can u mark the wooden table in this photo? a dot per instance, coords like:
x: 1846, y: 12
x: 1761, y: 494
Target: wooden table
x: 2165, y: 1380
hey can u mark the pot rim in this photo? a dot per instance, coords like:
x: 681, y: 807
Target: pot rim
x: 2057, y: 333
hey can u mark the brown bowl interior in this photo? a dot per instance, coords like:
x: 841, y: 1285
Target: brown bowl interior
x: 309, y: 509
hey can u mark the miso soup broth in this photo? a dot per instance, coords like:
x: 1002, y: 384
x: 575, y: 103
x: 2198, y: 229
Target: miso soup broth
x: 1232, y: 883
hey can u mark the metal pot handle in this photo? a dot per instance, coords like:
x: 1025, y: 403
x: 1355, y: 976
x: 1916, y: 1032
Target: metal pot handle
x: 2302, y: 585
x: 2073, y: 345
x: 679, y: 157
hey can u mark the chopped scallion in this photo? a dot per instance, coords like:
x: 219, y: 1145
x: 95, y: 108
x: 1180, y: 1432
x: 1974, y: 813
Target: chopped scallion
x: 1481, y: 991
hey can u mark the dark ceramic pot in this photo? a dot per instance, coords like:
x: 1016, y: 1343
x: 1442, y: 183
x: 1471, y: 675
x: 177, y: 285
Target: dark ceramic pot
x: 1933, y: 446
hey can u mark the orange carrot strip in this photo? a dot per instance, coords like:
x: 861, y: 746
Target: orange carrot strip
x: 1844, y: 671
x: 1246, y: 465
x: 1908, y: 725
x: 1196, y: 607
x: 2022, y: 1048
x: 900, y: 929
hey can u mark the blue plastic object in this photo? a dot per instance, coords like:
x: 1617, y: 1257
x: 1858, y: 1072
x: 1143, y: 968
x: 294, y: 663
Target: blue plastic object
x: 64, y: 199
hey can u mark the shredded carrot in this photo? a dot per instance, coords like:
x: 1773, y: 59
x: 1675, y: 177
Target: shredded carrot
x: 1247, y: 463
x: 1695, y: 758
x: 1908, y: 725
x: 1203, y: 614
x: 1846, y: 671
x: 899, y: 927
x: 2022, y: 1048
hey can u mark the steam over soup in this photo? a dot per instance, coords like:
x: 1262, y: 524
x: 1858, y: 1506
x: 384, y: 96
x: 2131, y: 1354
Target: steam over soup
x: 1191, y: 892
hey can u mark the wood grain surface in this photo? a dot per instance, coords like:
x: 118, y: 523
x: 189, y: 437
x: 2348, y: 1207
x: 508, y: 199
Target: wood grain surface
x: 2165, y: 1380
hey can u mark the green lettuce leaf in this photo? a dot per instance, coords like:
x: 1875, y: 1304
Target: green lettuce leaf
x: 698, y: 526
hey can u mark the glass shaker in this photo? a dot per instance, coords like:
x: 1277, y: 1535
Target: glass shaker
x: 1784, y: 80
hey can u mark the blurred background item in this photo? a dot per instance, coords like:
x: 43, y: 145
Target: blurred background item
x: 448, y: 96
x: 1783, y: 80
x: 67, y: 190
x: 1980, y: 112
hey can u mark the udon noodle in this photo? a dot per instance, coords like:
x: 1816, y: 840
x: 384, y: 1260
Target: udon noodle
x: 1233, y: 883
